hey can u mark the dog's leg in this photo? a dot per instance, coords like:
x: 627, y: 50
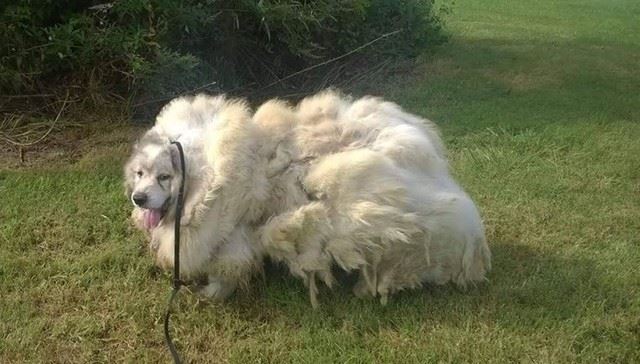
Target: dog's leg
x: 194, y: 204
x: 384, y: 297
x: 367, y: 282
x: 234, y: 263
x: 313, y: 289
x: 218, y: 288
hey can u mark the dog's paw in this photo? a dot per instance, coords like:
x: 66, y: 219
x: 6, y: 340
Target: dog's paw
x: 218, y: 289
x: 192, y: 215
x: 186, y: 218
x: 362, y: 290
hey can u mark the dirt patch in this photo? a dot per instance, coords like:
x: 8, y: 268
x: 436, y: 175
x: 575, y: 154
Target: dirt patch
x: 67, y: 144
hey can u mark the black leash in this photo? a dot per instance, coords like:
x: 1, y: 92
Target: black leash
x: 177, y: 283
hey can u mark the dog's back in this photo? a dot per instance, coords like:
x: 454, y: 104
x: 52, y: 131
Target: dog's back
x: 381, y: 200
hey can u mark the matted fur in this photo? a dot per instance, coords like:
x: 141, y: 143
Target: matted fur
x: 361, y: 185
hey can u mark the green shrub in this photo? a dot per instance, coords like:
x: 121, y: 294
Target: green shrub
x: 143, y: 49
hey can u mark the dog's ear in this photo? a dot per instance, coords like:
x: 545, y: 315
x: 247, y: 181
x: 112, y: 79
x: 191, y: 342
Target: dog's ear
x: 128, y: 171
x: 128, y: 180
x: 128, y: 187
x: 175, y: 157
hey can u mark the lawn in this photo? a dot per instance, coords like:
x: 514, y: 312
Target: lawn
x: 539, y: 104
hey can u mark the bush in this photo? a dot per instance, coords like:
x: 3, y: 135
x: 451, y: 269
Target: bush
x: 137, y: 50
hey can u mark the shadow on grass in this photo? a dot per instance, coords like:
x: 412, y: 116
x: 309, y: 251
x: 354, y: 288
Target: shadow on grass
x: 527, y: 288
x: 472, y: 84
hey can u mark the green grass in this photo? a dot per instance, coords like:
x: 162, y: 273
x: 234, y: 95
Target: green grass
x: 539, y: 104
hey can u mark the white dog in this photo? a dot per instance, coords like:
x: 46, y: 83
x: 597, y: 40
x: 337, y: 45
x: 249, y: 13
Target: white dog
x: 362, y: 185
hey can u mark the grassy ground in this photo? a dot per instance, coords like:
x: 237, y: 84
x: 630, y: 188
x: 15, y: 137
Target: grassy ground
x: 539, y: 105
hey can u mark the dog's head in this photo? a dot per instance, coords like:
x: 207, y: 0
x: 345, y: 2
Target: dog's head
x: 152, y: 178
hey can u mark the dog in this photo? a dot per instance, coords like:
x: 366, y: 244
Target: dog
x: 332, y: 182
x: 215, y: 241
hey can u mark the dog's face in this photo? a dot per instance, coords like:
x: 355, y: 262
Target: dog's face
x: 152, y: 179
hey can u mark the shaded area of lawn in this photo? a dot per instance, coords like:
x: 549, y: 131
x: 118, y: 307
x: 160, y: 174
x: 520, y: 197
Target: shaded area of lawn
x: 538, y: 105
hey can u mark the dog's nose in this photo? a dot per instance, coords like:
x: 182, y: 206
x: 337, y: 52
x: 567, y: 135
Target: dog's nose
x: 139, y: 199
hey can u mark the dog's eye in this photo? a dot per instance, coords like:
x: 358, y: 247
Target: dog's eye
x: 163, y: 177
x: 139, y: 173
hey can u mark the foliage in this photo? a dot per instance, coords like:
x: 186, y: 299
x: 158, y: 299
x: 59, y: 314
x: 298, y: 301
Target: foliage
x: 144, y: 48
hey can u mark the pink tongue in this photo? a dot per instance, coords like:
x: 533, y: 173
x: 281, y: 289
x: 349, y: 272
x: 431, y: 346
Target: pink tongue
x: 152, y: 218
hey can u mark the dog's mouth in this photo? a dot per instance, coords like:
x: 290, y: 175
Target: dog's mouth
x: 151, y: 218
